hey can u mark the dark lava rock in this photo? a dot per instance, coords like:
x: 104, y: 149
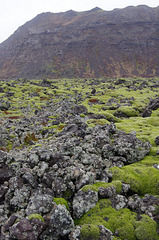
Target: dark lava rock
x: 56, y: 158
x: 46, y: 83
x: 62, y: 221
x: 93, y: 91
x: 22, y: 230
x: 3, y: 156
x: 1, y: 90
x: 3, y: 191
x: 129, y: 147
x: 157, y: 140
x: 120, y: 81
x: 83, y: 202
x: 77, y: 129
x: 107, y: 192
x: 40, y: 203
x: 5, y: 174
x: 153, y: 104
x: 147, y: 205
x: 146, y: 113
x: 4, y: 105
x: 79, y: 109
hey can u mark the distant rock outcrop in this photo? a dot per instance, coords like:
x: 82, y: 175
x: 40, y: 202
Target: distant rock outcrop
x: 95, y: 43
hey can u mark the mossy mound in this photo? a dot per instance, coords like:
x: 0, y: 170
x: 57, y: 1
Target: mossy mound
x: 145, y: 229
x: 89, y: 231
x: 122, y: 222
x: 142, y: 179
x: 126, y: 111
x: 94, y: 122
x: 148, y: 160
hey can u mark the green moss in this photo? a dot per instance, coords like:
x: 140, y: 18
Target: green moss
x: 104, y: 214
x: 1, y: 95
x: 35, y: 215
x: 89, y: 231
x: 82, y: 115
x: 149, y: 160
x: 55, y: 116
x: 146, y: 229
x: 127, y: 232
x: 12, y: 136
x: 94, y: 122
x: 124, y: 221
x: 97, y: 214
x: 128, y: 111
x: 61, y: 201
x: 143, y: 130
x: 154, y: 121
x: 85, y: 188
x: 142, y: 179
x: 94, y: 187
x: 9, y: 145
x: 68, y: 194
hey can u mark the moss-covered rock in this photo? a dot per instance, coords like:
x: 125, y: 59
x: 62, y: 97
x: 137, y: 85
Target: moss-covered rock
x: 61, y: 201
x: 94, y: 187
x: 35, y: 215
x: 126, y: 111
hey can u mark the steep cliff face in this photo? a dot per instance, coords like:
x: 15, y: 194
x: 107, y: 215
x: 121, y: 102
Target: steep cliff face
x: 95, y: 43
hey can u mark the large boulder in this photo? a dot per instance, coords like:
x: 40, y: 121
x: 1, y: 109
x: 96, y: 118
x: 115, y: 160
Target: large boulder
x: 22, y: 230
x: 61, y: 220
x: 130, y: 147
x: 83, y: 202
x: 40, y: 203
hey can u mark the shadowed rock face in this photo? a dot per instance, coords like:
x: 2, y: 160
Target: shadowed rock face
x: 95, y: 43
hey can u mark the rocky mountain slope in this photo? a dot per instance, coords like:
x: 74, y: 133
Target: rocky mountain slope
x: 95, y: 43
x: 79, y: 160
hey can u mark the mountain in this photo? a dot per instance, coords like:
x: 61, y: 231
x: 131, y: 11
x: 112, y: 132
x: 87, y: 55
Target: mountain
x: 95, y: 43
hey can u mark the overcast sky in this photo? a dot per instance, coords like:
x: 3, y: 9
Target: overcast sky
x: 14, y: 13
